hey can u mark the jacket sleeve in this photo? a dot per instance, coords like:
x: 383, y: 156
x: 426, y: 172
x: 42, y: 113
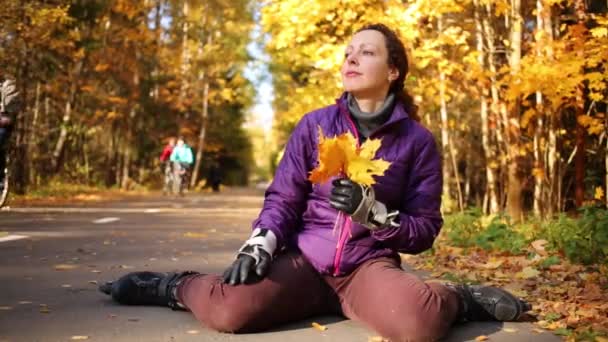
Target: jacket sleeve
x: 286, y: 197
x: 420, y: 215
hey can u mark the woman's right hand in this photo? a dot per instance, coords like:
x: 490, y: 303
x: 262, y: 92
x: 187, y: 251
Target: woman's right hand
x: 253, y: 259
x: 245, y: 270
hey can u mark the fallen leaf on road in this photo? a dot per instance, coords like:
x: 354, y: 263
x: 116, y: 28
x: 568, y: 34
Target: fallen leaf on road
x: 96, y: 271
x: 94, y: 282
x: 111, y: 316
x: 538, y: 331
x: 3, y: 234
x: 509, y: 330
x: 133, y: 319
x: 195, y: 235
x: 79, y: 337
x: 6, y: 308
x: 193, y: 332
x: 25, y: 302
x: 66, y: 285
x: 319, y: 326
x: 64, y: 267
x: 481, y: 338
x: 125, y: 266
x: 44, y: 308
x: 376, y: 339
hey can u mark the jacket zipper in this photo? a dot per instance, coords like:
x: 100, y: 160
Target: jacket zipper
x: 345, y: 231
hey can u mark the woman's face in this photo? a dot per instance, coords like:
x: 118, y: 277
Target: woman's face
x: 365, y: 71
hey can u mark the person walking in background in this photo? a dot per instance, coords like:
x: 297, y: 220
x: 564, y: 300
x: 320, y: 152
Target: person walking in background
x: 215, y: 176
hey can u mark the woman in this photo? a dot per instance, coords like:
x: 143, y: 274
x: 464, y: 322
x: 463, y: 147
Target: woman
x: 294, y: 266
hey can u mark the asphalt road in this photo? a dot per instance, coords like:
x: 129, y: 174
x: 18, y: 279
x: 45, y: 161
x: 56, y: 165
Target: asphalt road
x: 51, y: 259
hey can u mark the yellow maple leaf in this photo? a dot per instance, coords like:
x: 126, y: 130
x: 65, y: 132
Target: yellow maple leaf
x: 599, y: 193
x: 340, y: 155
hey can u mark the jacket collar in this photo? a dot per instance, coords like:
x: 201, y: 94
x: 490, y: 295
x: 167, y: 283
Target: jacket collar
x: 398, y: 114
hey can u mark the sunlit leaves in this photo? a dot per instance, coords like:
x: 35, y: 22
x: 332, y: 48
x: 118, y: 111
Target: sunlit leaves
x: 341, y: 155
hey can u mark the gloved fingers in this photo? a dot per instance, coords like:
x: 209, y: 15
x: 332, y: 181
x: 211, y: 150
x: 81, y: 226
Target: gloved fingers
x: 264, y: 264
x: 342, y: 190
x: 246, y: 266
x: 342, y: 182
x: 340, y: 198
x: 234, y: 274
x: 227, y: 274
x: 340, y: 206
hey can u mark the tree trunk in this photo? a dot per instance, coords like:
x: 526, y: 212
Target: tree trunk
x: 126, y: 164
x: 579, y: 161
x: 204, y: 77
x: 498, y: 117
x: 539, y: 174
x: 63, y: 134
x: 185, y: 64
x: 553, y: 190
x: 514, y: 199
x: 201, y: 136
x: 32, y: 150
x: 491, y: 199
x: 445, y: 136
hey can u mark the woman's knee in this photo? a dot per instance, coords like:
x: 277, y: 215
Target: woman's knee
x: 231, y: 320
x: 419, y: 329
x: 235, y: 315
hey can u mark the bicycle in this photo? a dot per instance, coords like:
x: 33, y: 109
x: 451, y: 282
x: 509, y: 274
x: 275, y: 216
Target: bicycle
x: 9, y: 106
x: 167, y: 178
x: 179, y: 178
x: 4, y: 185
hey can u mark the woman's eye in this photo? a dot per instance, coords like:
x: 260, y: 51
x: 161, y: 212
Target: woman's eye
x: 368, y: 53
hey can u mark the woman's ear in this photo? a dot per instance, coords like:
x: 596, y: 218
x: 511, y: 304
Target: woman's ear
x: 393, y: 74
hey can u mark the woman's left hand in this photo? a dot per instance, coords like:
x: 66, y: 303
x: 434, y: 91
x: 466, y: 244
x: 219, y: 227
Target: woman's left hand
x: 360, y: 203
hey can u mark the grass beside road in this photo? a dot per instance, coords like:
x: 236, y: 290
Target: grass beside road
x: 56, y: 193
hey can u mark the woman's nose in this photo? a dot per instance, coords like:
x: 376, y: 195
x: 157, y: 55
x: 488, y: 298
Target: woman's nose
x: 351, y: 59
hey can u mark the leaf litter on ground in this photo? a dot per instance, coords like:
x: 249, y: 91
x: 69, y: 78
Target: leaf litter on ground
x: 566, y: 298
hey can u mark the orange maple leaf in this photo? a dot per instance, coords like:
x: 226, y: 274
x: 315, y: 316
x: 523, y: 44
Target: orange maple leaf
x: 341, y: 155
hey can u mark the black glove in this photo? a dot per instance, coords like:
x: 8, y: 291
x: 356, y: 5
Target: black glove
x: 360, y: 203
x: 253, y: 259
x: 346, y: 195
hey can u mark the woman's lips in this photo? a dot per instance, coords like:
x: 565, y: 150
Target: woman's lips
x: 352, y: 74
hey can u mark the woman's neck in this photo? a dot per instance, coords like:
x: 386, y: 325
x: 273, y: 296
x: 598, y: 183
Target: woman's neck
x: 369, y: 104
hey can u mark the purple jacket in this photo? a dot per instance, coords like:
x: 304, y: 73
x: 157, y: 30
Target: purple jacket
x: 299, y: 212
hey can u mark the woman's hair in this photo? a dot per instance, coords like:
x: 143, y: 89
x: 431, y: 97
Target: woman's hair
x: 397, y: 57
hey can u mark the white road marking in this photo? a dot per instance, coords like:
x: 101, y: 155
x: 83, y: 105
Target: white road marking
x: 203, y: 211
x: 106, y: 220
x: 12, y: 238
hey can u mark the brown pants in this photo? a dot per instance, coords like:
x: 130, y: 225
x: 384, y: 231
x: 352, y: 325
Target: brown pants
x: 396, y: 304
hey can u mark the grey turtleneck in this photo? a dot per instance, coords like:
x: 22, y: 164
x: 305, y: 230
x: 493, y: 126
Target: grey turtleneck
x: 368, y: 122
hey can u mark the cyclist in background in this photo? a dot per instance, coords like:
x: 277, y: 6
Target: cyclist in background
x: 182, y: 160
x: 166, y: 165
x: 8, y: 108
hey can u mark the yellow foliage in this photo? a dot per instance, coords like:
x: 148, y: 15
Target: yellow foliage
x: 341, y: 155
x: 599, y: 193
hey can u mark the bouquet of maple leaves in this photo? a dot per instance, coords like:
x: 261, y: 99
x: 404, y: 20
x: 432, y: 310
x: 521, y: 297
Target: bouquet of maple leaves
x: 342, y: 155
